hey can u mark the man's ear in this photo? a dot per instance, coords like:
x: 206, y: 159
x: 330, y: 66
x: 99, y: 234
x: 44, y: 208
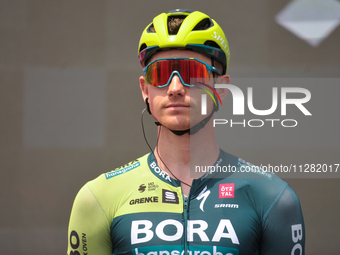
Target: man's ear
x: 143, y: 87
x: 223, y: 79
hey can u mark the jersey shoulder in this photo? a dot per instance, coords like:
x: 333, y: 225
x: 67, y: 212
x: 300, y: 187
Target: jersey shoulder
x: 121, y: 178
x: 262, y: 187
x: 112, y: 188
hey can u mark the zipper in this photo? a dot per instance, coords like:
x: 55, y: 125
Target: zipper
x: 185, y: 214
x: 186, y: 204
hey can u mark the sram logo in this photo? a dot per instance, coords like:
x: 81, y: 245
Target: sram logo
x: 142, y: 231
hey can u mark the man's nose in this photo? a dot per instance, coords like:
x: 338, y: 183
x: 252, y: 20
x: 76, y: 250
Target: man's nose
x: 176, y: 87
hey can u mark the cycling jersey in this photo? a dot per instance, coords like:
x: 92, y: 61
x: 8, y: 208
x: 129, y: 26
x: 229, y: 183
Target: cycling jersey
x: 138, y: 209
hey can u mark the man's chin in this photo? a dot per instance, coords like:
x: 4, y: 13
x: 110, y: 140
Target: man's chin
x: 177, y: 128
x: 178, y: 124
x: 180, y: 127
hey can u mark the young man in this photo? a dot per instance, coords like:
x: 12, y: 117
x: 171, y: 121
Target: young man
x: 153, y: 206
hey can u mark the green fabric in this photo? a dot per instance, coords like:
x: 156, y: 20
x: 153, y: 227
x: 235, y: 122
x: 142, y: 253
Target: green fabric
x: 138, y: 209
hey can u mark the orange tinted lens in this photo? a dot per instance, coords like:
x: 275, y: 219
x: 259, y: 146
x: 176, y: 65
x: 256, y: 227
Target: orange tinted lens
x: 159, y: 72
x: 195, y: 70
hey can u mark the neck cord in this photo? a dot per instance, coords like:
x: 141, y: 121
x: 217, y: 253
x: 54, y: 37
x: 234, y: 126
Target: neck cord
x: 158, y: 151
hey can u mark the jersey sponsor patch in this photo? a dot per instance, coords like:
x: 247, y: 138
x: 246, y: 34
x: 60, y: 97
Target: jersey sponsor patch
x: 146, y: 231
x: 141, y: 188
x: 122, y: 171
x: 226, y: 206
x: 178, y: 250
x: 143, y: 200
x: 169, y: 197
x: 159, y: 171
x: 226, y: 190
x: 152, y: 186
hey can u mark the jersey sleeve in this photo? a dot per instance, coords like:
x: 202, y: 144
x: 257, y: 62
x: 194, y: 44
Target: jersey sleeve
x: 89, y: 228
x: 283, y: 226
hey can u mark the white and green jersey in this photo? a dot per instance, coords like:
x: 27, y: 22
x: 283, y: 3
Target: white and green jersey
x: 138, y: 209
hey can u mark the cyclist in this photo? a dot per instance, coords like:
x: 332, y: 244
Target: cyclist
x: 152, y: 205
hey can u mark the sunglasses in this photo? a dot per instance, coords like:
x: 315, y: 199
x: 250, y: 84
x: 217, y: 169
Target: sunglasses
x: 159, y: 72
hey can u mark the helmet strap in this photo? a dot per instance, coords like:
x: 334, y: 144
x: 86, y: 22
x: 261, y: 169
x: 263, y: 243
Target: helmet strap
x: 147, y: 105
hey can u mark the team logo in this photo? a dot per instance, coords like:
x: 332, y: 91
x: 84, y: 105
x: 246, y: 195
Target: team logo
x: 226, y: 190
x: 226, y: 206
x: 152, y: 186
x: 203, y: 195
x: 144, y: 200
x: 142, y: 188
x: 123, y: 169
x: 169, y: 197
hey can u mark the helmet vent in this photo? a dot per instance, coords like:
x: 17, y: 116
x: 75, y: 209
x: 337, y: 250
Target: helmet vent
x: 212, y: 44
x: 174, y: 23
x: 151, y: 29
x: 203, y: 24
x: 142, y: 47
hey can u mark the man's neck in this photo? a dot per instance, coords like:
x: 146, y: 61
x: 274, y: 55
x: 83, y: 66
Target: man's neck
x: 177, y: 155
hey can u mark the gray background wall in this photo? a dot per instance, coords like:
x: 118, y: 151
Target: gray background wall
x: 70, y: 107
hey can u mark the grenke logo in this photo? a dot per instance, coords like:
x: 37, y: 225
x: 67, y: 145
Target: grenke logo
x: 239, y: 106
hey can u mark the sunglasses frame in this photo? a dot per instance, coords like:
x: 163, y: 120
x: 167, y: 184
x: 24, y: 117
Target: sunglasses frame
x: 209, y: 69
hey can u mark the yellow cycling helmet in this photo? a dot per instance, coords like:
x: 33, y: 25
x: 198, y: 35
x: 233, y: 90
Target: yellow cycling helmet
x: 197, y: 32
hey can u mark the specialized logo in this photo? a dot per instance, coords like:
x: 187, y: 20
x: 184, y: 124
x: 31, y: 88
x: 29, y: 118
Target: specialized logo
x: 204, y: 194
x: 220, y: 40
x: 126, y: 168
x: 226, y: 190
x: 169, y: 197
x: 144, y: 200
x: 141, y: 188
